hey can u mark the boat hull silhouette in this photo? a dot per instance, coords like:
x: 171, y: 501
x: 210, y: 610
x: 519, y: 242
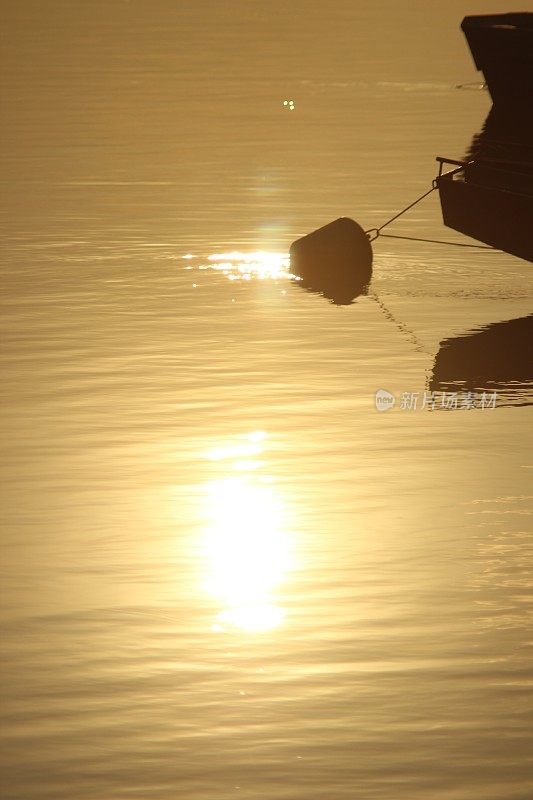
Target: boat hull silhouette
x: 489, y: 194
x: 502, y: 48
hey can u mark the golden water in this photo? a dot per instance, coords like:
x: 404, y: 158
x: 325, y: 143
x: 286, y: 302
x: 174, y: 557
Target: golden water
x: 225, y: 573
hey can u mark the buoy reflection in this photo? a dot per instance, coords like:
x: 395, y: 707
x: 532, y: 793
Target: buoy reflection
x: 245, y: 544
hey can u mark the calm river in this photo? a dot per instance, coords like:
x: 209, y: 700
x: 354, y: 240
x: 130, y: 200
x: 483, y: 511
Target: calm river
x: 226, y: 574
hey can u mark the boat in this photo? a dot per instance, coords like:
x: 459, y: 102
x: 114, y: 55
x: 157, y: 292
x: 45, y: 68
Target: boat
x: 488, y: 195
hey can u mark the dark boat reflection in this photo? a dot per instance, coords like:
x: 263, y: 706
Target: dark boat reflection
x: 494, y: 358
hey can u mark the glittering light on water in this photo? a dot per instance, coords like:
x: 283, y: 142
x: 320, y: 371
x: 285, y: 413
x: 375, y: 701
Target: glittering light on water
x: 259, y: 265
x: 246, y: 546
x: 233, y: 451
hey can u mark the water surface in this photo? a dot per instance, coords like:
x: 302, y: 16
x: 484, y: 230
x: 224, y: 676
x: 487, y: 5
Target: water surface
x: 226, y: 574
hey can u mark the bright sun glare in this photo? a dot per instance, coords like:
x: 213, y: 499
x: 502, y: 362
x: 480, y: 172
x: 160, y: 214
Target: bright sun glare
x: 246, y: 546
x: 259, y: 265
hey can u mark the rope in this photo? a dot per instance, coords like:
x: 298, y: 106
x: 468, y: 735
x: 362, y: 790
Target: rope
x: 399, y: 214
x: 377, y: 231
x: 404, y: 330
x: 438, y: 241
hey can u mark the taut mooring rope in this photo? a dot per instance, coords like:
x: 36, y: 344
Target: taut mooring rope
x: 377, y: 231
x: 438, y: 241
x: 374, y: 233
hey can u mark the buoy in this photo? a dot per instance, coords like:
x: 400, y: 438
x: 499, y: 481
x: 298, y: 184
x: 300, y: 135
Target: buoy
x: 335, y: 260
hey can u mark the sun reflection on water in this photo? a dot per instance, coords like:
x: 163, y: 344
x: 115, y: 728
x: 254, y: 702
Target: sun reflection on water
x: 246, y: 546
x: 260, y: 265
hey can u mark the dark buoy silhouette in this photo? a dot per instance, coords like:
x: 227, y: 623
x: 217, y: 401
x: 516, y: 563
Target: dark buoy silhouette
x: 335, y: 260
